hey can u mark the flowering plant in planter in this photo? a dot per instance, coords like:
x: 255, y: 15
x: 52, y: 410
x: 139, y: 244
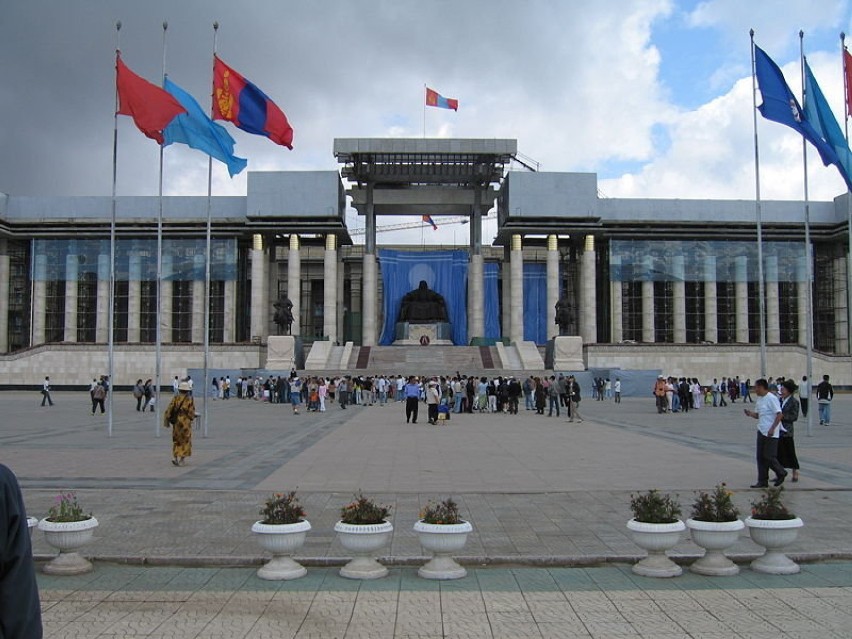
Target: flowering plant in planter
x: 654, y: 507
x: 716, y: 506
x: 443, y: 513
x: 769, y: 506
x: 363, y: 511
x: 67, y: 509
x: 282, y: 508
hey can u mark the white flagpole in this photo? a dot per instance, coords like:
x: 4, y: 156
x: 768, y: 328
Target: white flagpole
x: 757, y: 214
x: 808, y: 266
x: 111, y: 335
x: 208, y: 234
x: 159, y: 348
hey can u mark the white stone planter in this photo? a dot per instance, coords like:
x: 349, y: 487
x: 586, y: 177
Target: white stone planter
x: 32, y: 522
x: 282, y: 540
x: 715, y: 537
x: 443, y: 540
x: 363, y: 541
x: 774, y: 534
x: 656, y: 539
x: 68, y: 537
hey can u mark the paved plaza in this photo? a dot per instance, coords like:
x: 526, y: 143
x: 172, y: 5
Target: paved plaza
x: 548, y: 501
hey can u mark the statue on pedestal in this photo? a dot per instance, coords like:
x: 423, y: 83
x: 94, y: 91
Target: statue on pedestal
x: 283, y: 313
x: 563, y: 315
x: 423, y: 305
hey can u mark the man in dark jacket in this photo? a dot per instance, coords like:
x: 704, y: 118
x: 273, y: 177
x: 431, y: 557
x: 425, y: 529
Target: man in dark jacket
x: 20, y: 611
x: 824, y: 393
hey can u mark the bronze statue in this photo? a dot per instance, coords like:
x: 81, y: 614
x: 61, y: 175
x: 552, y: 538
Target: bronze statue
x: 423, y: 305
x: 283, y: 313
x: 563, y: 315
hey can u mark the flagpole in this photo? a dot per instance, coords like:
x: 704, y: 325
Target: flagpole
x: 159, y: 347
x: 424, y: 110
x: 808, y: 276
x: 111, y: 335
x: 848, y: 203
x: 208, y: 234
x: 757, y: 213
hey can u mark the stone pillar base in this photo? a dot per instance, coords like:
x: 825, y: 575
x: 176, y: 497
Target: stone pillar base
x: 568, y: 353
x: 280, y: 353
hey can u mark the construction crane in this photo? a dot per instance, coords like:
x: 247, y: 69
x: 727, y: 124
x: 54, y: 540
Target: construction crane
x: 415, y: 225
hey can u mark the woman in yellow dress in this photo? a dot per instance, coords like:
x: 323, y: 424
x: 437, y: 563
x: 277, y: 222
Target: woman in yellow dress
x: 180, y: 414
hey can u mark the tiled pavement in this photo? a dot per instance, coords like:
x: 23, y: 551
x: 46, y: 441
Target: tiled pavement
x: 539, y: 492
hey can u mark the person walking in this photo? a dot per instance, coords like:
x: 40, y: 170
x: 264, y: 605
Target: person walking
x: 660, y: 393
x: 804, y: 394
x: 295, y: 394
x: 768, y: 415
x: 99, y: 393
x: 824, y: 393
x: 20, y: 610
x: 789, y: 414
x: 553, y: 396
x: 45, y: 392
x: 148, y: 395
x: 432, y: 399
x: 412, y: 400
x: 138, y: 394
x: 616, y: 388
x: 574, y: 395
x: 179, y: 415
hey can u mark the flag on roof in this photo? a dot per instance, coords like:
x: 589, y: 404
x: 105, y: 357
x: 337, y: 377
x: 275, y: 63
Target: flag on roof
x: 196, y: 130
x: 240, y: 102
x: 428, y: 219
x: 847, y: 69
x: 435, y: 99
x: 819, y: 114
x: 151, y: 108
x: 780, y: 105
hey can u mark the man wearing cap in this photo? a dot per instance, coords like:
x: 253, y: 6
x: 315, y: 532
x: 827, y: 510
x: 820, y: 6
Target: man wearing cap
x: 180, y: 415
x: 432, y: 399
x: 412, y: 398
x: 660, y: 393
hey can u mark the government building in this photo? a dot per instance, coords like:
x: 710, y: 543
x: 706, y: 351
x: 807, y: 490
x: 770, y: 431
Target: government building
x: 648, y: 284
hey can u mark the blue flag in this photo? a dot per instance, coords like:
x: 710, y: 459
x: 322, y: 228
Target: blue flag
x: 780, y: 105
x: 195, y: 129
x: 820, y: 116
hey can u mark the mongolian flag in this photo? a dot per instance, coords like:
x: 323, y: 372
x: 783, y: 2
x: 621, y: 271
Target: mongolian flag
x: 151, y: 108
x: 847, y: 69
x: 435, y: 99
x: 240, y: 102
x: 428, y: 219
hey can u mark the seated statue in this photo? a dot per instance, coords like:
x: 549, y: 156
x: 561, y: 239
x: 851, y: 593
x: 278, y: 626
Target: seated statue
x: 423, y: 305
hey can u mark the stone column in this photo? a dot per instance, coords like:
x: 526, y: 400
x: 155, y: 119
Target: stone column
x: 369, y: 283
x: 342, y: 302
x: 802, y: 285
x: 356, y: 303
x: 198, y: 301
x: 259, y: 314
x: 741, y: 301
x: 229, y: 334
x: 679, y: 294
x: 616, y: 302
x: 5, y: 273
x: 506, y: 289
x: 589, y: 278
x: 648, y: 323
x: 294, y: 282
x: 39, y: 301
x: 72, y: 268
x: 330, y: 288
x: 711, y: 324
x: 773, y: 327
x: 476, y: 297
x: 102, y: 314
x: 165, y: 300
x: 134, y: 299
x: 553, y: 282
x: 516, y: 266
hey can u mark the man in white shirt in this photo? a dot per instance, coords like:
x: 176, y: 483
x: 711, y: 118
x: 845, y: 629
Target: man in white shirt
x: 768, y: 415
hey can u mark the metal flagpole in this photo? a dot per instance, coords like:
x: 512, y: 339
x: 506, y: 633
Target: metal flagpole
x: 808, y: 266
x: 848, y: 203
x: 204, y: 405
x: 424, y: 110
x: 757, y: 214
x: 111, y: 334
x: 159, y: 353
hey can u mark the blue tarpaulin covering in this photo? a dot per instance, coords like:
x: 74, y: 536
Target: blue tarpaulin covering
x: 535, y: 302
x: 445, y: 272
x: 492, y: 300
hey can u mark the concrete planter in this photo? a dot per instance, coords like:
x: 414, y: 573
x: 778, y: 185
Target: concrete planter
x: 656, y: 539
x: 282, y: 540
x: 774, y: 534
x: 363, y: 541
x: 68, y: 537
x: 715, y: 537
x: 32, y: 522
x: 443, y: 540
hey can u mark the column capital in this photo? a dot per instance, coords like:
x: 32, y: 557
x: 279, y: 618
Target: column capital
x: 295, y: 244
x: 517, y: 242
x: 552, y: 243
x: 589, y: 243
x: 331, y: 242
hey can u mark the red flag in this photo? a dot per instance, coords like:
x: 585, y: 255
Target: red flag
x: 435, y: 99
x: 151, y: 107
x: 847, y: 68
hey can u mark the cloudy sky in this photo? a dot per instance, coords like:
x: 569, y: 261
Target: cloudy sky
x: 652, y: 95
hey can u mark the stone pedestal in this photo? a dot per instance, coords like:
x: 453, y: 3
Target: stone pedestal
x: 410, y: 334
x: 280, y: 353
x: 568, y: 353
